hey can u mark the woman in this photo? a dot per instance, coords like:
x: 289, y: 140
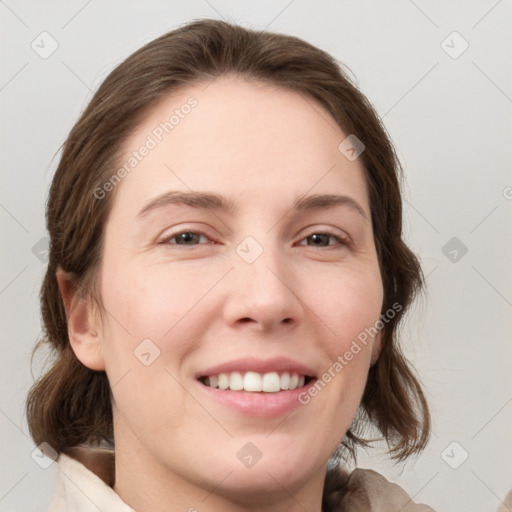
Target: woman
x: 225, y: 281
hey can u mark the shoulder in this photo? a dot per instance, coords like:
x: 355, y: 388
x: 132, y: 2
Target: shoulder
x: 84, y: 480
x: 366, y: 490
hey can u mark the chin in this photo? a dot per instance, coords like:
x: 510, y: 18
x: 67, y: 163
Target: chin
x: 255, y: 466
x: 264, y: 482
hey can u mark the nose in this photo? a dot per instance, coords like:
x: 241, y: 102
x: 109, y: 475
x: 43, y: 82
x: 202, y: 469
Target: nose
x: 263, y: 292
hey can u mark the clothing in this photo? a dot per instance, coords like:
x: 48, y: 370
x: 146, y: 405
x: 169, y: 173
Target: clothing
x: 86, y: 475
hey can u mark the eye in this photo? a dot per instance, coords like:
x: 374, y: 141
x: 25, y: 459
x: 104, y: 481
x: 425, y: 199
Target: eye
x: 191, y: 238
x: 186, y: 238
x: 322, y: 239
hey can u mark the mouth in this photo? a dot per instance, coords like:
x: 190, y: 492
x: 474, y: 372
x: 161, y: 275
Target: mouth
x: 255, y: 387
x: 254, y: 382
x: 258, y: 388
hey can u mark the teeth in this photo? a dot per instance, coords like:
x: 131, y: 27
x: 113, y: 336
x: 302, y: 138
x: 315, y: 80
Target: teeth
x: 285, y: 380
x: 271, y: 382
x: 223, y: 381
x: 252, y: 381
x: 236, y: 381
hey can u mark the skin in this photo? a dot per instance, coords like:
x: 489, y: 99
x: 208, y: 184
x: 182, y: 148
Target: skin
x: 202, y: 304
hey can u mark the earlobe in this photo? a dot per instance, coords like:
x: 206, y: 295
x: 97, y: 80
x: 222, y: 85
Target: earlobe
x: 83, y: 324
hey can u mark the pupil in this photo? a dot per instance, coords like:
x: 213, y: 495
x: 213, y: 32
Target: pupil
x: 315, y: 237
x: 187, y: 237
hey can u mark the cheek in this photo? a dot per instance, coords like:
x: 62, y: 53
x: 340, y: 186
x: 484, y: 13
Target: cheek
x: 152, y: 315
x: 348, y: 301
x: 348, y: 309
x: 149, y: 302
x: 144, y: 343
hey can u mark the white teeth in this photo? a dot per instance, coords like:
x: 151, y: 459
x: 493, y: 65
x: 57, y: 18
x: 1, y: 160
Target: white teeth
x: 223, y: 381
x: 285, y: 380
x: 270, y: 382
x: 252, y: 381
x: 236, y: 381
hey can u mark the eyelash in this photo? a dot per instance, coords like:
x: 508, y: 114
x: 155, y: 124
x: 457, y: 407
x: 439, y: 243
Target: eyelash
x: 342, y: 241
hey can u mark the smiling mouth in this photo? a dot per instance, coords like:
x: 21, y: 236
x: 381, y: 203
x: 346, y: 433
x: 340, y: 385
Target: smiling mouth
x: 271, y: 382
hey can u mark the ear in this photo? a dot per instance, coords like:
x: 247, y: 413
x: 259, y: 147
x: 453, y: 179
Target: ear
x: 83, y: 323
x: 376, y: 347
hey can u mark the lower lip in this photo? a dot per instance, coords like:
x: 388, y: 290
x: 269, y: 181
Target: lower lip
x: 265, y: 405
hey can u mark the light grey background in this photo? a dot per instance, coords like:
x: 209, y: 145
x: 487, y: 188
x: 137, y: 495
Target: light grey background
x: 449, y: 116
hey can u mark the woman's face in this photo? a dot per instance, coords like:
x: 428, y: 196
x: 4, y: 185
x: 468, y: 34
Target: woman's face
x: 202, y: 291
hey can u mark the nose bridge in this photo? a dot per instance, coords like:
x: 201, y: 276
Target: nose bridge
x: 263, y: 283
x: 260, y: 263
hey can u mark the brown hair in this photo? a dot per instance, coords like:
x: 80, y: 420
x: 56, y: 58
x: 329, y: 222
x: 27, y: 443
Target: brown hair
x: 71, y: 404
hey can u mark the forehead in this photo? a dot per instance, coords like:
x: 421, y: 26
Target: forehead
x: 242, y: 138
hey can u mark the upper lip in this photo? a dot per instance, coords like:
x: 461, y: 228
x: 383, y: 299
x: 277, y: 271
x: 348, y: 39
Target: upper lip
x: 276, y: 364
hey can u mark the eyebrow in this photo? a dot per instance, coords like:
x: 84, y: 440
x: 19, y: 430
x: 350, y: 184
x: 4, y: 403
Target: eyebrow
x: 216, y: 202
